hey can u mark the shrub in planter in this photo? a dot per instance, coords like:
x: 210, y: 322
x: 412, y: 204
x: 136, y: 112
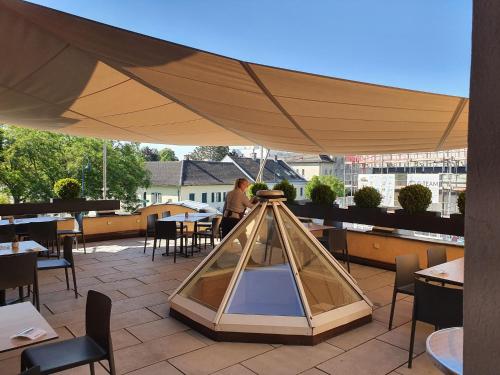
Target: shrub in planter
x: 254, y: 188
x: 323, y: 194
x: 288, y: 190
x: 367, y: 197
x: 67, y: 188
x: 415, y: 198
x: 461, y: 202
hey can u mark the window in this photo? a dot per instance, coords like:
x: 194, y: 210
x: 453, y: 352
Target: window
x: 203, y: 197
x: 224, y: 195
x: 219, y: 197
x: 213, y: 197
x: 192, y: 196
x: 303, y: 172
x: 301, y: 192
x: 155, y: 198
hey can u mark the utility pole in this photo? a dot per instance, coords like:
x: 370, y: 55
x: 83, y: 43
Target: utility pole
x: 104, y: 169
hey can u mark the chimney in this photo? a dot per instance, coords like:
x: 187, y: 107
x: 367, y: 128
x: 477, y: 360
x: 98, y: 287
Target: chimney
x: 276, y: 158
x: 186, y: 157
x: 254, y: 155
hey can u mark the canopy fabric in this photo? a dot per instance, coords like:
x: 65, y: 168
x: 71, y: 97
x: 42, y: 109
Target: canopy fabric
x: 63, y: 73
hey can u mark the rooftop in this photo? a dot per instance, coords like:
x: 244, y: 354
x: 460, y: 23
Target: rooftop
x: 274, y: 170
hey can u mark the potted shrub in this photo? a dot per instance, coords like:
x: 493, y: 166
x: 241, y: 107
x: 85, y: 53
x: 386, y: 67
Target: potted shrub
x: 415, y: 199
x: 323, y: 194
x: 254, y: 188
x: 288, y: 190
x: 461, y: 206
x: 67, y: 189
x: 368, y: 199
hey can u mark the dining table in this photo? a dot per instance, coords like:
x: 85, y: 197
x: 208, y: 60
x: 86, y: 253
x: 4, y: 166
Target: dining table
x: 449, y: 273
x: 191, y: 217
x: 22, y: 317
x: 28, y: 220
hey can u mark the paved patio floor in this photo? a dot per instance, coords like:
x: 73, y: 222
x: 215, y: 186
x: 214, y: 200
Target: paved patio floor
x: 148, y: 342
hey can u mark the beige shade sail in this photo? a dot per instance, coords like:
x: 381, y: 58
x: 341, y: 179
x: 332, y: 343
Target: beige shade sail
x: 71, y: 75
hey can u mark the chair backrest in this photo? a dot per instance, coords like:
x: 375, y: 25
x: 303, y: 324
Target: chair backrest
x: 337, y: 239
x: 435, y: 256
x: 151, y: 223
x: 79, y: 221
x: 68, y: 249
x: 165, y: 214
x: 406, y: 266
x: 438, y: 305
x: 216, y: 225
x: 7, y: 233
x: 18, y: 270
x: 43, y: 231
x: 97, y: 319
x: 166, y: 230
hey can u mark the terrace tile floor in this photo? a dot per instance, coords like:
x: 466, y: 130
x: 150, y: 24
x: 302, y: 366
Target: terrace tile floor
x: 148, y: 342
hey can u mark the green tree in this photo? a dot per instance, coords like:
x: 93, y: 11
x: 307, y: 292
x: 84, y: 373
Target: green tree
x: 150, y: 154
x: 213, y: 153
x: 333, y: 182
x: 167, y: 154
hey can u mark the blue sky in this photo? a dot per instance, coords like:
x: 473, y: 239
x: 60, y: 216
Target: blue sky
x: 417, y: 44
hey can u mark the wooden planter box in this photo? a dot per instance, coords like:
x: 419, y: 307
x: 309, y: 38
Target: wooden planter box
x: 420, y: 214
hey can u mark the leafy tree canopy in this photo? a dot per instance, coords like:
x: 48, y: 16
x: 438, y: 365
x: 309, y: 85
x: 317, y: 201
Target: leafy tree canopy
x: 31, y: 161
x: 168, y: 154
x: 333, y: 182
x: 213, y: 153
x: 150, y: 154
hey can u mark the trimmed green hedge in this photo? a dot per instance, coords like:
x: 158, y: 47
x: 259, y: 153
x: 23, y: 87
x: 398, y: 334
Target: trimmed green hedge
x: 461, y: 202
x: 67, y: 188
x: 323, y: 194
x: 254, y: 188
x: 288, y: 190
x: 415, y: 198
x: 367, y: 197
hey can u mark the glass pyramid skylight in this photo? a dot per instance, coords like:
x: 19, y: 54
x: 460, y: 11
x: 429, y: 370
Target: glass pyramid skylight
x: 270, y: 280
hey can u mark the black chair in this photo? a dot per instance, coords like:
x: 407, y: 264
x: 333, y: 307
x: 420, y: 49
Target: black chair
x: 45, y: 233
x: 66, y: 262
x: 150, y: 228
x: 436, y: 305
x: 435, y: 256
x: 325, y: 238
x: 211, y: 232
x: 406, y: 266
x: 35, y: 370
x: 7, y: 233
x: 167, y: 230
x: 17, y: 271
x: 93, y: 347
x: 75, y: 232
x: 337, y: 241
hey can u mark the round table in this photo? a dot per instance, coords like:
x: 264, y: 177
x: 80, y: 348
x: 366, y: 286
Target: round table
x: 445, y: 347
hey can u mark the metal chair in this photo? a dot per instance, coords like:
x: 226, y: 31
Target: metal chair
x: 436, y: 305
x: 66, y: 262
x: 435, y: 256
x: 167, y: 230
x: 45, y: 233
x: 35, y: 370
x: 95, y: 346
x: 77, y: 231
x: 211, y: 232
x: 406, y: 266
x: 17, y: 271
x: 337, y: 241
x: 7, y: 233
x: 150, y: 228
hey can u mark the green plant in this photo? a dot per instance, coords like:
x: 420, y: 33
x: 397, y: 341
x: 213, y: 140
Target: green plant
x: 288, y: 190
x: 367, y: 197
x: 4, y: 198
x: 415, y: 198
x: 461, y: 202
x: 67, y: 188
x: 335, y: 184
x: 323, y: 194
x: 254, y: 188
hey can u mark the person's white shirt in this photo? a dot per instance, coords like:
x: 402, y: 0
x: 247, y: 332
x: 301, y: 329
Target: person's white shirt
x: 236, y: 202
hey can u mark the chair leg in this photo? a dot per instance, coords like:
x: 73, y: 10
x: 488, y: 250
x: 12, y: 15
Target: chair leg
x: 175, y: 249
x: 347, y: 260
x: 74, y: 280
x: 84, y: 245
x: 58, y: 248
x: 67, y: 278
x: 412, y: 341
x: 145, y: 242
x: 154, y: 249
x: 393, y: 304
x: 92, y: 369
x: 21, y: 293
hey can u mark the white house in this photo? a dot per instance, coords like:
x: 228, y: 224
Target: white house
x: 308, y: 166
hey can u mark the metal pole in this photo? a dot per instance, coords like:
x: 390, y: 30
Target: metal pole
x: 104, y: 169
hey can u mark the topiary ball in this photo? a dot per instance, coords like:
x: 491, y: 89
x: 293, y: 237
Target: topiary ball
x: 415, y: 198
x: 367, y: 197
x: 323, y: 194
x: 67, y: 188
x: 288, y: 190
x: 461, y: 202
x: 254, y: 188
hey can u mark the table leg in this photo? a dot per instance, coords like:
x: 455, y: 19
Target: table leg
x: 2, y: 297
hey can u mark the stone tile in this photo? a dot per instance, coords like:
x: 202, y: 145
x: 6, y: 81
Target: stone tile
x: 376, y: 281
x: 142, y: 355
x: 122, y: 339
x: 371, y: 358
x: 421, y: 365
x: 129, y: 304
x: 179, y: 274
x: 383, y: 296
x: 313, y: 371
x: 116, y: 285
x: 234, y: 370
x: 139, y: 290
x: 402, y: 313
x: 160, y: 368
x: 156, y: 329
x: 117, y: 276
x: 290, y: 359
x: 105, y: 264
x: 71, y: 303
x: 358, y: 336
x: 401, y: 336
x: 161, y: 310
x: 217, y: 356
x: 362, y: 272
